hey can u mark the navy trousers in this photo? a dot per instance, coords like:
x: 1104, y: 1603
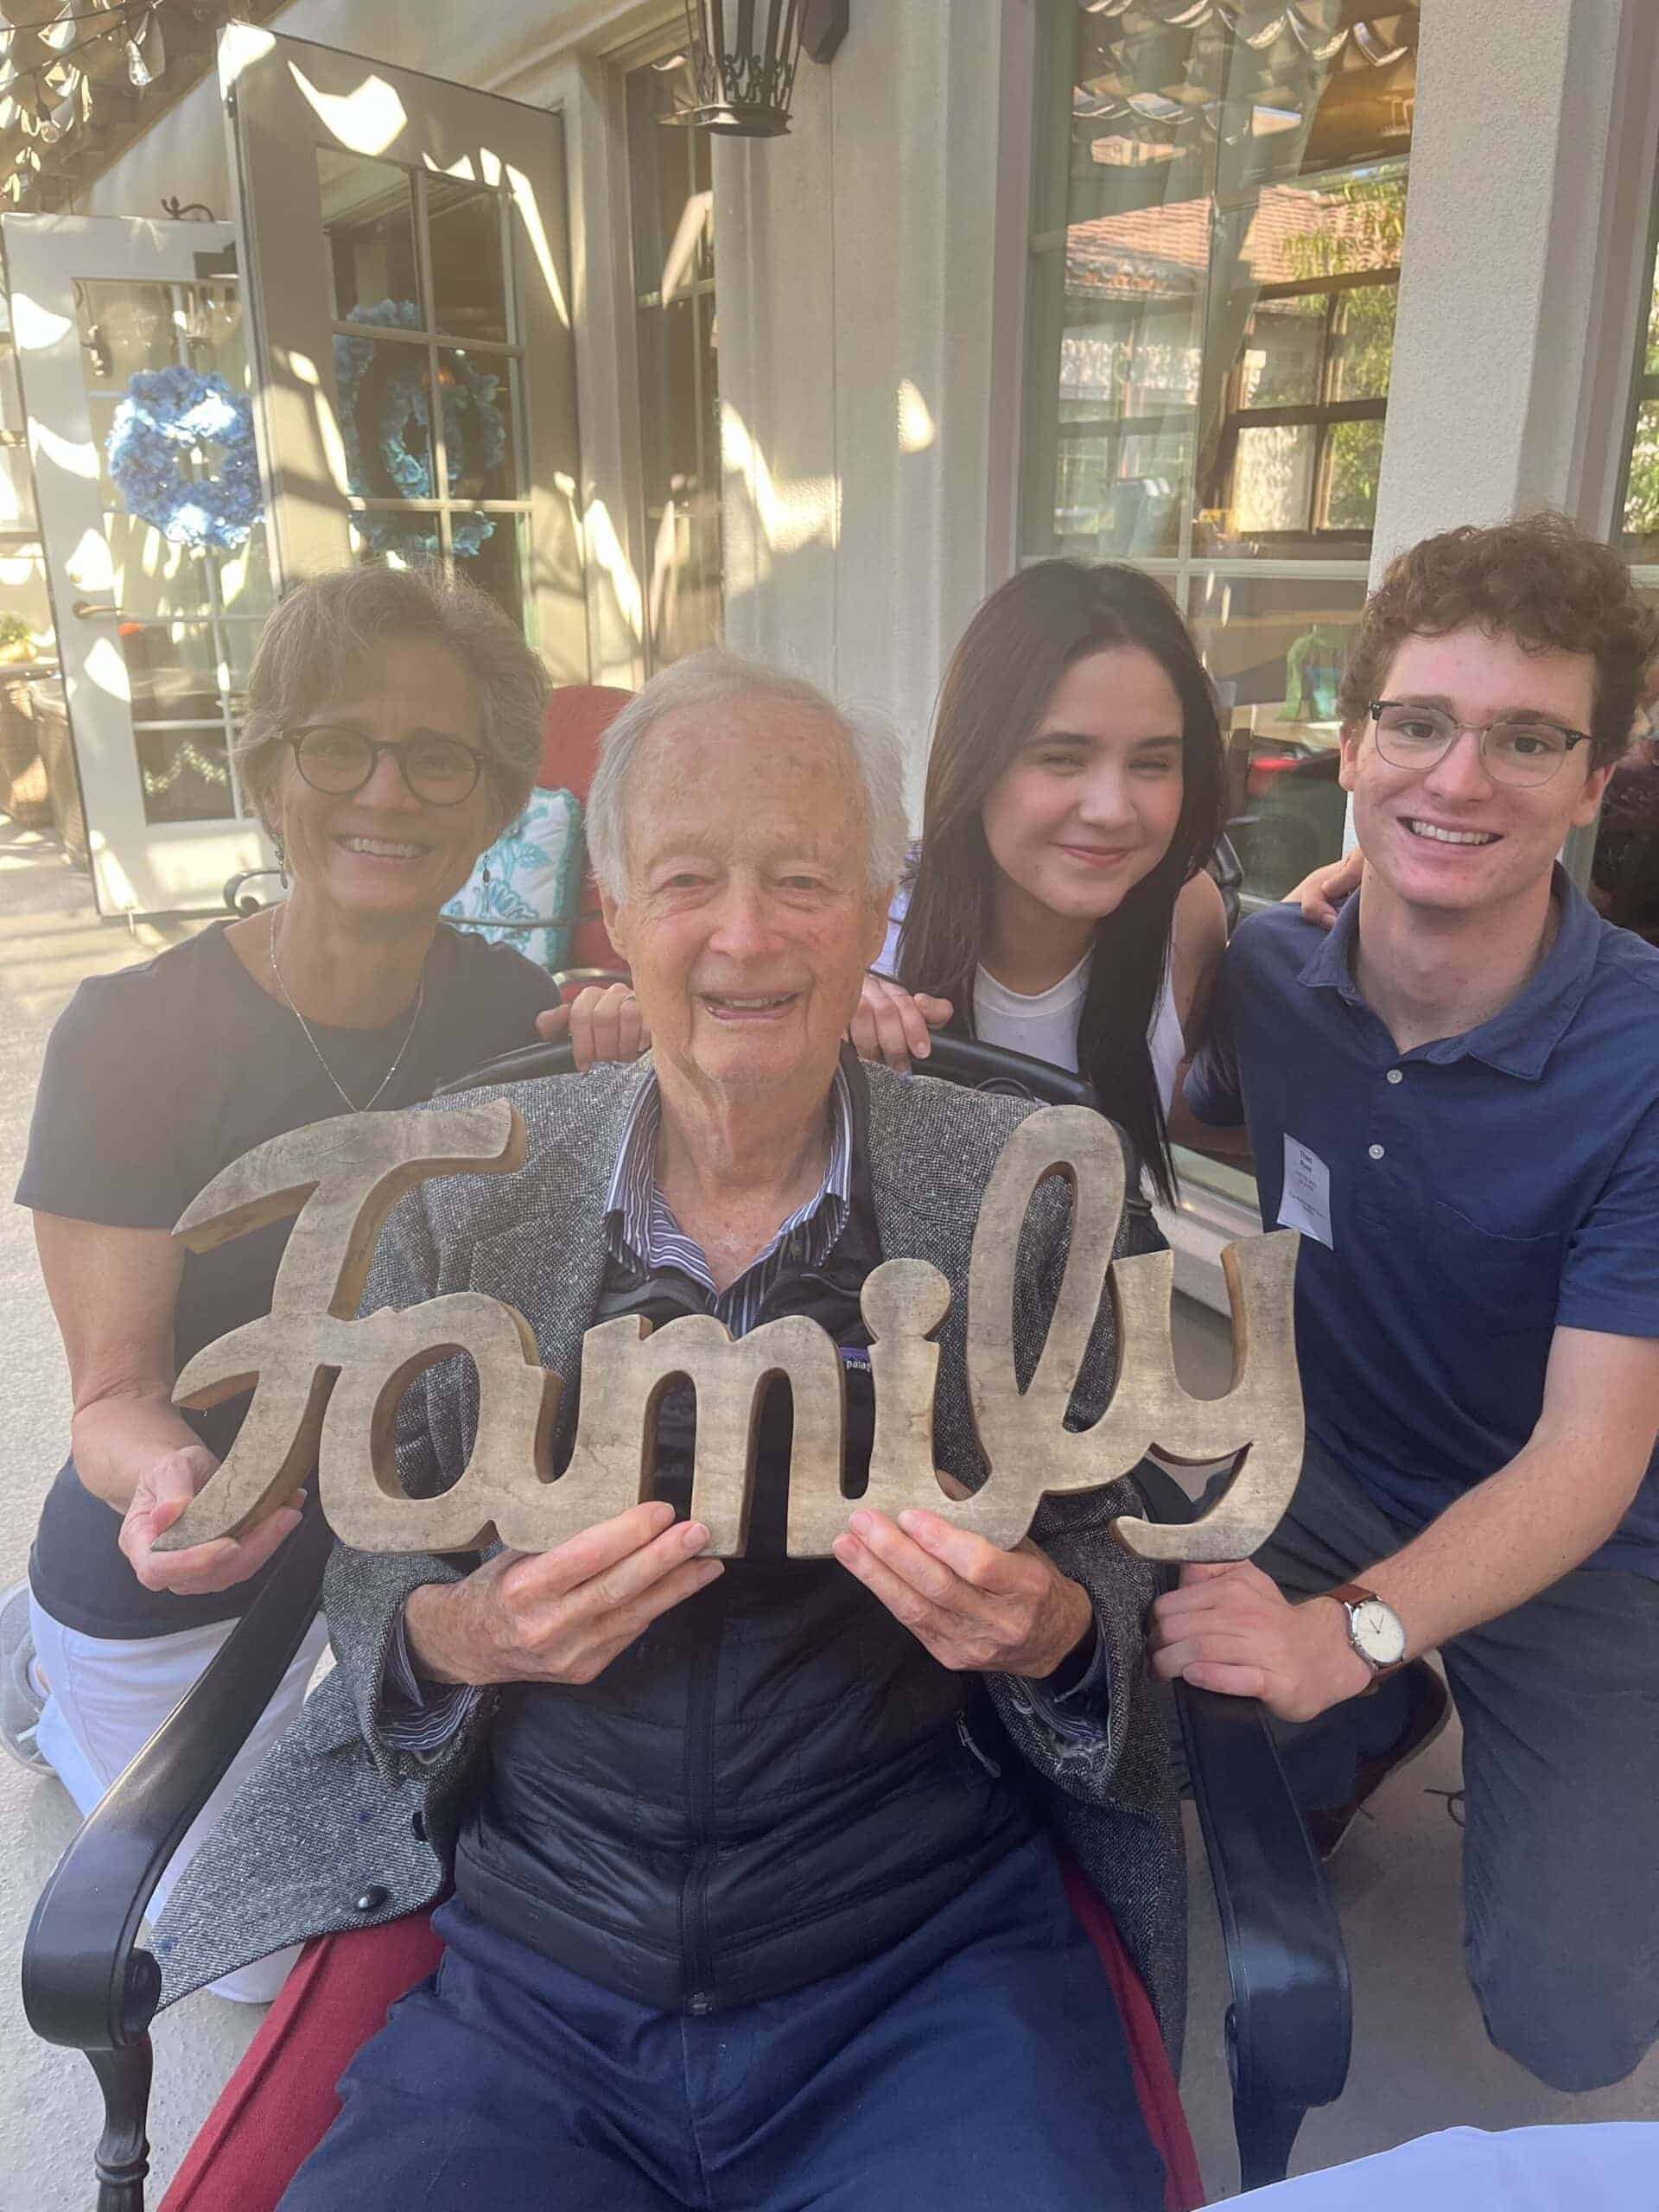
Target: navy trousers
x: 979, y: 2066
x: 1560, y: 1705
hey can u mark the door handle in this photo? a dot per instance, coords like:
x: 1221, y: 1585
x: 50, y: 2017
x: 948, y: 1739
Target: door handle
x: 89, y: 611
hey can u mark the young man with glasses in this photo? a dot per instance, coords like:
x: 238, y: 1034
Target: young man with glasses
x: 1454, y: 1096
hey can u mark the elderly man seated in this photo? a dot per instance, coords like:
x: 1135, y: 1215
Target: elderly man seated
x: 756, y: 1900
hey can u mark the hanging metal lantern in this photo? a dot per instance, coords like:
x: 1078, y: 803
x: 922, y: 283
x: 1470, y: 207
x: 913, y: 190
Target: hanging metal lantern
x: 743, y: 55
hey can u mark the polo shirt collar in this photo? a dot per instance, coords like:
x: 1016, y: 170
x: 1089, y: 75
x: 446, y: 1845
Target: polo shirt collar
x: 1519, y: 1038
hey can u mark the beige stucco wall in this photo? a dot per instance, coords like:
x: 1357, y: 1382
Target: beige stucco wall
x: 1521, y: 289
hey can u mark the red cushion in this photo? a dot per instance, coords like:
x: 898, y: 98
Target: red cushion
x: 277, y: 2106
x: 1154, y: 2077
x: 576, y: 716
x: 574, y: 719
x: 279, y: 2103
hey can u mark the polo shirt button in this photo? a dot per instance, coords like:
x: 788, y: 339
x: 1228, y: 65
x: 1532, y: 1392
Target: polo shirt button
x: 1376, y: 1151
x: 1394, y: 1076
x: 371, y: 1900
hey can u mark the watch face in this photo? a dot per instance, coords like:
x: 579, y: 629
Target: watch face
x: 1377, y: 1633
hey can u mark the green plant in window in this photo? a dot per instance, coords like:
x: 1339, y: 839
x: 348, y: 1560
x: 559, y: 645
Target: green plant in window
x: 1355, y: 461
x: 1642, y: 491
x: 1369, y: 234
x: 1364, y: 230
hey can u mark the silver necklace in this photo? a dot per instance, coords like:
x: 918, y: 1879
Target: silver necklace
x: 352, y: 1105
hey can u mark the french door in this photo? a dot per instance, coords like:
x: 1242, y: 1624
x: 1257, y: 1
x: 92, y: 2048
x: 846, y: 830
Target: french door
x: 154, y: 634
x: 393, y: 302
x: 410, y: 281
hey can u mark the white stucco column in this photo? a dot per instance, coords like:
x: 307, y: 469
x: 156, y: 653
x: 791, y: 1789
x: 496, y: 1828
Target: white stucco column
x: 857, y: 315
x: 1521, y: 291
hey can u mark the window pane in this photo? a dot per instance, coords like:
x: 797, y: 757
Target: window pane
x: 1642, y: 491
x: 469, y: 276
x: 385, y: 418
x: 1639, y: 540
x: 124, y: 328
x: 172, y: 668
x: 1204, y: 200
x: 368, y: 220
x: 150, y: 577
x: 185, y: 774
x: 1284, y: 342
x: 488, y: 551
x: 215, y: 338
x: 1353, y: 462
x: 1272, y: 478
x: 478, y: 418
x: 1362, y: 342
x: 1624, y: 871
x: 1275, y: 648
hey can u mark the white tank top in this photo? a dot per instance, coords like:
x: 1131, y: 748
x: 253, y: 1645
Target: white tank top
x: 1044, y: 1025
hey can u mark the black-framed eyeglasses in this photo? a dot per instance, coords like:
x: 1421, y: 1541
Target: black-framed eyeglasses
x: 438, y: 770
x: 1513, y: 751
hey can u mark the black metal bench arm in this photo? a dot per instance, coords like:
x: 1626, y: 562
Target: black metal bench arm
x: 86, y: 1983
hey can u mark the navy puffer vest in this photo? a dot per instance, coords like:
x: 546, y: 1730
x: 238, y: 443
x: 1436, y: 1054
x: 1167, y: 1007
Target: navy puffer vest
x: 776, y: 1780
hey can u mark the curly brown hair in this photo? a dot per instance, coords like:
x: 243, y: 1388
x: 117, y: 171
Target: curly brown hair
x: 1543, y: 581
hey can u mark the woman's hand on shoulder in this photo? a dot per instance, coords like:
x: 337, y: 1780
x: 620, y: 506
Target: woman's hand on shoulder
x: 602, y: 1025
x: 1319, y: 895
x: 892, y: 1023
x: 164, y: 1489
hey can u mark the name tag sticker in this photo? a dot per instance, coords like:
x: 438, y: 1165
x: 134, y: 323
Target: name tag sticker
x: 1306, y: 1202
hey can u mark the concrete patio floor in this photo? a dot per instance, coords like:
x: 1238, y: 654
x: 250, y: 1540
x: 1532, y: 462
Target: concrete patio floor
x: 1420, y: 2059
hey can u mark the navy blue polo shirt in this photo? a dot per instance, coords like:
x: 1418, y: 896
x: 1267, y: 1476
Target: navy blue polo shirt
x: 1474, y: 1194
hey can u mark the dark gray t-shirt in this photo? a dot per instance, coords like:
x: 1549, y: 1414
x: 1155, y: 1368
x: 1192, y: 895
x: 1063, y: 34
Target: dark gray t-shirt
x: 155, y: 1079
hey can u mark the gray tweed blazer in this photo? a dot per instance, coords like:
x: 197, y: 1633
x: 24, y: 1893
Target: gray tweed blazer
x: 336, y: 1813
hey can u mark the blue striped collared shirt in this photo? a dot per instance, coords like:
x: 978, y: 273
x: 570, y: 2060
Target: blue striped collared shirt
x: 641, y: 1226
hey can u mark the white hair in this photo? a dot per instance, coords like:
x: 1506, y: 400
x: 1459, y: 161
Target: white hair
x: 716, y: 679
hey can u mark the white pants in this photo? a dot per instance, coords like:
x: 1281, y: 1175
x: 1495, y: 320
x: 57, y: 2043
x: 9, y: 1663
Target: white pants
x: 106, y: 1698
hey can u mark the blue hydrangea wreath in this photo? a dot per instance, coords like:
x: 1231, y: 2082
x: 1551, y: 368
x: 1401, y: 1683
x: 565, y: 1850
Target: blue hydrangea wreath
x: 166, y: 416
x: 475, y: 434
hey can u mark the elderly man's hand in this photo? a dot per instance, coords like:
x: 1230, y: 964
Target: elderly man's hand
x: 1231, y: 1628
x: 602, y: 1025
x: 977, y: 1609
x: 561, y: 1615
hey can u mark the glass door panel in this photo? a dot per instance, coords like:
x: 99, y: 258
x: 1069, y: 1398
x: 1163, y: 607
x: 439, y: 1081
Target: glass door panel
x: 155, y: 629
x: 413, y: 327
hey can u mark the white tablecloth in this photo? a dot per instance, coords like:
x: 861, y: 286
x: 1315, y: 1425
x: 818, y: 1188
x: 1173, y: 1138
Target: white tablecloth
x: 1611, y: 2166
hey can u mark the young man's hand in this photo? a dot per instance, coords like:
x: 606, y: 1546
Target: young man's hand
x: 1231, y: 1628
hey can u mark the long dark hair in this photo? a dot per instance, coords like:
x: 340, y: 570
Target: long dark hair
x: 996, y: 692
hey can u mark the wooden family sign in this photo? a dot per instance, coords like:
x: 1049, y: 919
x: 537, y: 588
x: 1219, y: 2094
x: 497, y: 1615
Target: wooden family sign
x: 326, y: 1385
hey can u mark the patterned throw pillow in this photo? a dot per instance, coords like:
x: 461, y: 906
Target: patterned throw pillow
x: 535, y: 871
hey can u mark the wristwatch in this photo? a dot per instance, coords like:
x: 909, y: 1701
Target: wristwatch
x: 1375, y: 1630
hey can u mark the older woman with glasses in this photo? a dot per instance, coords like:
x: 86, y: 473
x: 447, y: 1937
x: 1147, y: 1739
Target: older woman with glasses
x: 394, y: 730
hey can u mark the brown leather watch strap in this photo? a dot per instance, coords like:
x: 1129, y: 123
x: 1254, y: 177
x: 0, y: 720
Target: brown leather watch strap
x: 1356, y: 1594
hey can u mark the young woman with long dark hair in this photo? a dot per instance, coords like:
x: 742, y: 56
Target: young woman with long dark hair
x: 1057, y: 900
x: 1057, y: 904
